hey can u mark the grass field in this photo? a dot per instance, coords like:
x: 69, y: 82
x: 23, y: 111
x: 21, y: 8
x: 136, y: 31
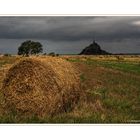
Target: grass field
x: 111, y: 85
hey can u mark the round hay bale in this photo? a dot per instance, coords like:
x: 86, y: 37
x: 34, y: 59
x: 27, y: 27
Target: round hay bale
x: 37, y: 86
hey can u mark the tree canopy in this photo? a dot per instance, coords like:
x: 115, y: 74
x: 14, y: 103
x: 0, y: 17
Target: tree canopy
x: 30, y: 47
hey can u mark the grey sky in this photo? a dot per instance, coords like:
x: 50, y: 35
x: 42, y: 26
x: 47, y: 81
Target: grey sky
x: 71, y: 34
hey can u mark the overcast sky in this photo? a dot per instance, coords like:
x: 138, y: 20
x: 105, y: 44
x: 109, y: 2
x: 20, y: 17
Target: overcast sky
x: 69, y: 35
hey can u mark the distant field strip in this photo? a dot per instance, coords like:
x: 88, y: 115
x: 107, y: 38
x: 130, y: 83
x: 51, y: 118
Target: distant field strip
x: 127, y: 67
x: 133, y: 67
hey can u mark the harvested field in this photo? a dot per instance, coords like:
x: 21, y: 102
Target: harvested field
x: 111, y: 86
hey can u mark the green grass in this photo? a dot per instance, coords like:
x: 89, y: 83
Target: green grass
x: 123, y: 66
x: 120, y: 94
x: 82, y: 77
x: 118, y: 65
x: 126, y: 67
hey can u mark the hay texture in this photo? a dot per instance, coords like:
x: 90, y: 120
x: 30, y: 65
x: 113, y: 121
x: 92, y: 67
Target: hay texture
x: 41, y: 86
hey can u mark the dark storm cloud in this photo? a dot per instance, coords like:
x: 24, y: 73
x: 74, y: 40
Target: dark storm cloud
x: 69, y: 28
x: 68, y: 34
x: 53, y: 28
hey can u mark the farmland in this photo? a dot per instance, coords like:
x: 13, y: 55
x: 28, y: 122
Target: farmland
x: 111, y: 85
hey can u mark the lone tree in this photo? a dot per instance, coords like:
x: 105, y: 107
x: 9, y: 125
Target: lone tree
x: 30, y: 47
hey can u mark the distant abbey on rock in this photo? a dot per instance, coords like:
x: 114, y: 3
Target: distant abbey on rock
x: 93, y: 49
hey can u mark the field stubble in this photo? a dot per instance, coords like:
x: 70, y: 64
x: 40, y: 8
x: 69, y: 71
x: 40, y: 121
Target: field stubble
x: 111, y: 85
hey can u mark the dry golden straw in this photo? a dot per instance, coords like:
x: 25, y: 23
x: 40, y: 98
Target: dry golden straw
x: 41, y: 86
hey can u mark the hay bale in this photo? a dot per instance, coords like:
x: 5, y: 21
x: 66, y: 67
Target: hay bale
x: 37, y: 86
